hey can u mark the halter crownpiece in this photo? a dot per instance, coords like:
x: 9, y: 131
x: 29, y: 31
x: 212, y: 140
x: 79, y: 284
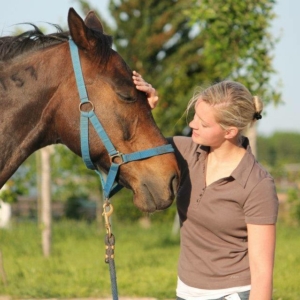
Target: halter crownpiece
x: 109, y: 184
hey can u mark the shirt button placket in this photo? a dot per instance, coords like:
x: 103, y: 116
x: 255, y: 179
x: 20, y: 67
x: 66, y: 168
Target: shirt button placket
x: 200, y: 195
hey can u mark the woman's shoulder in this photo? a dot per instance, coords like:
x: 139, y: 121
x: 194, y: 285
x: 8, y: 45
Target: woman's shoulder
x: 186, y: 151
x: 184, y: 145
x: 256, y: 170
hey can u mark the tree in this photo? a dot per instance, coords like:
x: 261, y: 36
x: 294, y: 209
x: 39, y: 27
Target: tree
x: 71, y: 178
x: 238, y: 45
x: 181, y: 44
x: 237, y: 41
x: 178, y: 45
x: 163, y: 49
x: 280, y: 148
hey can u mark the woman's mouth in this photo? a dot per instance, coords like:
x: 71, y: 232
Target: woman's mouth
x: 194, y: 134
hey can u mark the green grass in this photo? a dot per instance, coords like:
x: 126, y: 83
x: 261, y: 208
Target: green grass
x: 146, y: 261
x: 287, y: 263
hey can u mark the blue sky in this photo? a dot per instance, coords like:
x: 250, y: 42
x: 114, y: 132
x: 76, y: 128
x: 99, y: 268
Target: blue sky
x: 286, y: 61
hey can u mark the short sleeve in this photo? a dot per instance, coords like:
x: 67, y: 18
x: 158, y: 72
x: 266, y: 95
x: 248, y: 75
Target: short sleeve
x: 184, y: 149
x: 261, y: 206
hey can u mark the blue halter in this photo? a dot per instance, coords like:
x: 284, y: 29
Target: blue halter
x: 110, y: 187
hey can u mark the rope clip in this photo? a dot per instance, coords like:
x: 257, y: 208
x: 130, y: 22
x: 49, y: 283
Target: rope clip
x: 107, y: 212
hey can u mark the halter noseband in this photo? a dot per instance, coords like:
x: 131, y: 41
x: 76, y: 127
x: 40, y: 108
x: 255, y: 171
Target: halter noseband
x: 110, y: 187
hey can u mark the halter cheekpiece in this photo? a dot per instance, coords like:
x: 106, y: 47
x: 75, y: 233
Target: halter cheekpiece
x: 109, y: 184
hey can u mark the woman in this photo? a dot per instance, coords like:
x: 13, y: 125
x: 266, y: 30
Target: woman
x: 226, y: 201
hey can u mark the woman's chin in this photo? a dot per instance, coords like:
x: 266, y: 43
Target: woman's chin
x: 195, y: 138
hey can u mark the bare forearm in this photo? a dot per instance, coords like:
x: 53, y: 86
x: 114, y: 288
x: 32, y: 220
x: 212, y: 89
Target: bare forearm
x: 261, y: 258
x: 261, y: 288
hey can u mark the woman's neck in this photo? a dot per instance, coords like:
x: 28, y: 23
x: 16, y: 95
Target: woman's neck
x: 228, y: 152
x: 222, y: 161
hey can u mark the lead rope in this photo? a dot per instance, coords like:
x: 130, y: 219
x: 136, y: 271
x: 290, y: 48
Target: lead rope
x: 110, y: 248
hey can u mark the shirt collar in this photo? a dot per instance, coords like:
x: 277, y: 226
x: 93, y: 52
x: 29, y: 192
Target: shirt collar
x: 243, y: 170
x: 202, y: 152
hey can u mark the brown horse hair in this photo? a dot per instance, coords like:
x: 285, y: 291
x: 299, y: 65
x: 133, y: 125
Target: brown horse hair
x: 35, y: 39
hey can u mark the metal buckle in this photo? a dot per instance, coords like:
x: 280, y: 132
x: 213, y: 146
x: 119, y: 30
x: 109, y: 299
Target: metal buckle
x: 118, y: 155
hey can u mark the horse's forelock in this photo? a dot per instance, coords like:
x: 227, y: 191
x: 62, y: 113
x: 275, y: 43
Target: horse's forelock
x: 103, y: 46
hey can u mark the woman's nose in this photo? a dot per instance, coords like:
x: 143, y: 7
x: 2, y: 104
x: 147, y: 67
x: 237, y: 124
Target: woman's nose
x: 191, y: 124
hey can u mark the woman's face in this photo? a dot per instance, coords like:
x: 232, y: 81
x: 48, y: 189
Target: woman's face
x: 206, y: 130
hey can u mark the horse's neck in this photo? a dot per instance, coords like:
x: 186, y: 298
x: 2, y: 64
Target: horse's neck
x: 26, y: 87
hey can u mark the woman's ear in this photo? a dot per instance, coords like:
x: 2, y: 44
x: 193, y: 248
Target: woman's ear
x: 231, y: 133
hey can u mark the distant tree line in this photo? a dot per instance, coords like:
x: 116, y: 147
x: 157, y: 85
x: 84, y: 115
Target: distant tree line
x: 279, y: 148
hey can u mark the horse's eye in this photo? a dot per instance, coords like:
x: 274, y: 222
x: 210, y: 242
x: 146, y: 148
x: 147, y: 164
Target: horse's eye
x: 125, y: 97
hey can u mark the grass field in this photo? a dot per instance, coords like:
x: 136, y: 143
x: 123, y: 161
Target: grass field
x: 287, y: 263
x: 146, y: 261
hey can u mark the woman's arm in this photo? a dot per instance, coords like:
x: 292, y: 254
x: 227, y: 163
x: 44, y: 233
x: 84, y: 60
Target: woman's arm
x: 261, y: 247
x: 145, y: 87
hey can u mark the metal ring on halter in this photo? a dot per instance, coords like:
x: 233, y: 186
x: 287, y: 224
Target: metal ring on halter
x: 119, y: 155
x: 87, y: 102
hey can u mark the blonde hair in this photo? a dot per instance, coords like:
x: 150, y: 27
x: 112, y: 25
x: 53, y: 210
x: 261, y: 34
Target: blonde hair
x: 234, y: 104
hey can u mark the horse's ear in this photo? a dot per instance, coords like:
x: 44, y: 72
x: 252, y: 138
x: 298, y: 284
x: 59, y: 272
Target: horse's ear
x: 78, y: 30
x: 92, y: 22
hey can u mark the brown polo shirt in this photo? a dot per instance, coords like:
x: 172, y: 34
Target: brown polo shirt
x: 214, y: 218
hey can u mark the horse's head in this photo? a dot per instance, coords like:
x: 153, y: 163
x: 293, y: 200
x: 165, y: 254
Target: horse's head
x: 124, y: 113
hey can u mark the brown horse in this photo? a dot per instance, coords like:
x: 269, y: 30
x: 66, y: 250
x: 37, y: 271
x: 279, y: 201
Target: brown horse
x: 39, y: 106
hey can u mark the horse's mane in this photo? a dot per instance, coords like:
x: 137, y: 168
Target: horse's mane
x: 35, y: 39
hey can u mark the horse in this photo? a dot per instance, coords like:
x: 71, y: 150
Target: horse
x: 39, y: 107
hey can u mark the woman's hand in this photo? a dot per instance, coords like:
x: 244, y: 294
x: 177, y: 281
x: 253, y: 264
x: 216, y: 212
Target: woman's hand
x: 145, y: 87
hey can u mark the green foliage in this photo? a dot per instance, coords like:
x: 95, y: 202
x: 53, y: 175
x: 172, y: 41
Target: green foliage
x: 146, y: 261
x: 126, y: 212
x: 293, y: 198
x: 279, y: 148
x: 124, y: 209
x: 166, y: 215
x: 157, y: 35
x: 237, y: 42
x: 195, y: 43
x: 71, y: 178
x: 21, y: 182
x: 80, y: 209
x: 10, y: 192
